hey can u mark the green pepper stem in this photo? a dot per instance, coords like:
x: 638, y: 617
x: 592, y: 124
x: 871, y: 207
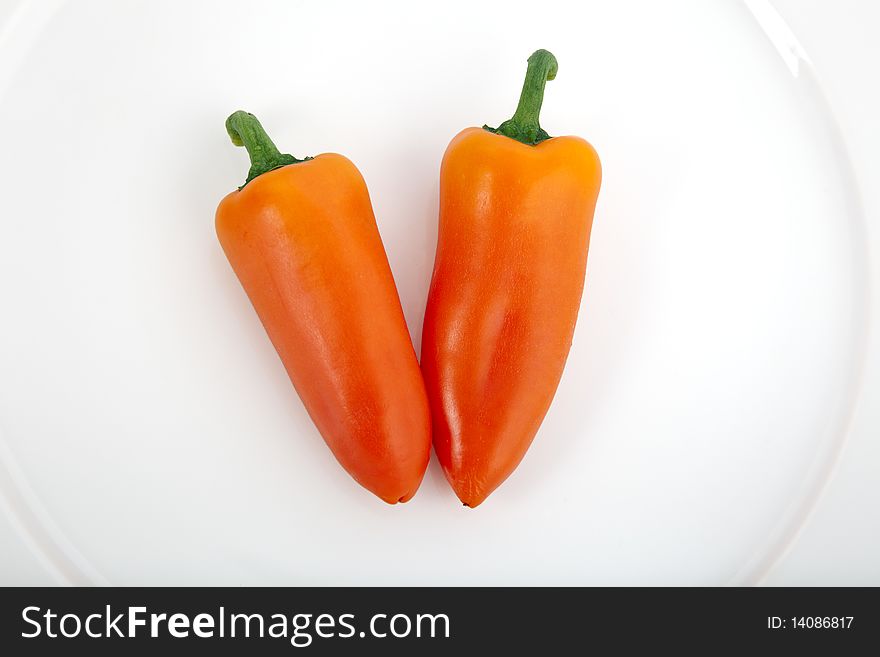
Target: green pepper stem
x: 524, y: 125
x: 245, y: 130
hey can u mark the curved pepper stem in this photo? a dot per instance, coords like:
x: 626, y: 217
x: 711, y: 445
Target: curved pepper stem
x: 524, y: 125
x: 245, y: 130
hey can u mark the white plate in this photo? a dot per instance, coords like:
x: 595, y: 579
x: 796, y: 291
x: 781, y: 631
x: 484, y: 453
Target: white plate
x: 149, y: 432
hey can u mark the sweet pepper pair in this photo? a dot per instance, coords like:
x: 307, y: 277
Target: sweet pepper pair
x: 516, y: 209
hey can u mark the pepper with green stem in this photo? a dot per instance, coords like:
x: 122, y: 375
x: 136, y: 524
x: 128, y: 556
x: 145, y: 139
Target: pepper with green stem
x: 302, y: 239
x: 516, y: 210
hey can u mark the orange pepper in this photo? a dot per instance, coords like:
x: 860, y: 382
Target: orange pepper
x: 303, y: 241
x: 516, y: 209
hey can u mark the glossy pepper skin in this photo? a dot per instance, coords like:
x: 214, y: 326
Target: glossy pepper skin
x: 516, y: 209
x: 303, y: 241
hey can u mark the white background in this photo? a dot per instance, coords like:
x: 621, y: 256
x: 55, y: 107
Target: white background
x: 840, y: 542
